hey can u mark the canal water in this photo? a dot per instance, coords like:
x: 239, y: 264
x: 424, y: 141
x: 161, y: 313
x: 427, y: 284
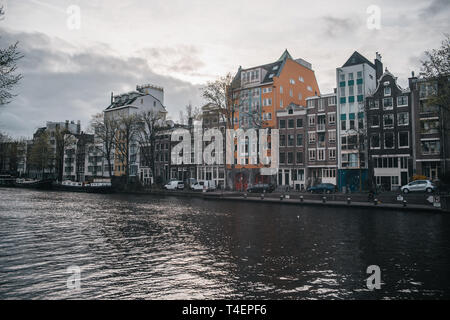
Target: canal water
x: 146, y: 247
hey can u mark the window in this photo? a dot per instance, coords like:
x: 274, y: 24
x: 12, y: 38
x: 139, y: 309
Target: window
x: 375, y: 141
x: 299, y: 157
x: 343, y: 125
x: 312, y: 120
x: 332, y: 154
x: 332, y: 101
x: 402, y: 101
x: 431, y: 147
x: 301, y: 79
x: 309, y: 88
x: 281, y: 89
x: 267, y: 90
x: 360, y: 89
x: 387, y: 104
x: 352, y: 124
x: 429, y: 126
x: 403, y: 118
x: 388, y: 140
x: 359, y: 75
x: 332, y: 118
x: 350, y: 76
x: 282, y: 157
x: 403, y: 139
x: 321, y: 105
x: 342, y: 91
x: 290, y: 140
x: 291, y: 123
x: 311, y: 137
x: 281, y: 103
x: 342, y: 77
x: 291, y: 81
x: 290, y: 157
x: 267, y: 102
x: 388, y: 120
x: 312, y: 154
x: 282, y: 124
x: 291, y: 93
x: 321, y: 154
x: 282, y: 140
x: 332, y: 136
x: 351, y: 91
x: 299, y: 123
x: 387, y: 91
x: 299, y: 139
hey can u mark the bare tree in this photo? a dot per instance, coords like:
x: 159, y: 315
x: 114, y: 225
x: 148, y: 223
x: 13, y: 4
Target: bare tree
x: 221, y: 94
x: 150, y: 123
x: 126, y: 134
x: 105, y: 130
x: 8, y: 67
x: 436, y: 69
x: 41, y: 157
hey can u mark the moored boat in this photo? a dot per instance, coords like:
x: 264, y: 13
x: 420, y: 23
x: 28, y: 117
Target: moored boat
x: 34, y: 184
x: 94, y: 187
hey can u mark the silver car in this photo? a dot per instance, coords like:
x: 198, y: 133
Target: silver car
x: 419, y: 185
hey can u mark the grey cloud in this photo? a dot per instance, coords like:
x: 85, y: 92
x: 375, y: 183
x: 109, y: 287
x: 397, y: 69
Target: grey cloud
x: 58, y: 85
x: 436, y: 7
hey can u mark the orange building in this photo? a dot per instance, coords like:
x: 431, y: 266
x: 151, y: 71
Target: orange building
x: 258, y: 93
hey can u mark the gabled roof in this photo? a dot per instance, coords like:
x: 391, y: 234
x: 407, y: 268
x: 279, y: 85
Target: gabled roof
x: 357, y: 58
x: 285, y: 55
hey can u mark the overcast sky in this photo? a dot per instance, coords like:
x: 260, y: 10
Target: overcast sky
x: 180, y: 44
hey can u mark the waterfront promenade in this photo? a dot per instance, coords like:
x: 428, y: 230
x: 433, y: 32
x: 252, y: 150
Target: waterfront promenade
x: 388, y: 200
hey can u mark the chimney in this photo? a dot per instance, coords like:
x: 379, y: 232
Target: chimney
x: 112, y: 97
x: 67, y: 124
x: 412, y: 80
x: 78, y: 127
x: 378, y: 66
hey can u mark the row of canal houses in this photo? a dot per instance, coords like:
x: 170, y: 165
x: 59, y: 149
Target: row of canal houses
x: 369, y: 131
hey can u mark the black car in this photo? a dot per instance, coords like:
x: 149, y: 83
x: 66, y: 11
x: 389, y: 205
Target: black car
x: 268, y: 188
x: 322, y: 188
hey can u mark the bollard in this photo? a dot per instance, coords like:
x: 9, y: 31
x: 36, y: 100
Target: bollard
x: 324, y: 199
x: 301, y: 199
x: 245, y: 195
x: 375, y: 201
x: 281, y: 197
x: 262, y: 196
x: 404, y: 203
x: 349, y: 200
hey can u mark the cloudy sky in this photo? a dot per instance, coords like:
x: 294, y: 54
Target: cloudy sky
x: 69, y: 72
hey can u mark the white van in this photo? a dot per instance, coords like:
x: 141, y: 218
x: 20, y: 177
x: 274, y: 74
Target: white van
x: 207, y: 185
x: 174, y: 185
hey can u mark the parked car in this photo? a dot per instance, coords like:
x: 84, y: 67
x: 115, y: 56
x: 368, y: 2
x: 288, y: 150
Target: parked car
x: 322, y: 188
x: 419, y: 186
x: 174, y: 185
x: 269, y: 188
x: 208, y: 185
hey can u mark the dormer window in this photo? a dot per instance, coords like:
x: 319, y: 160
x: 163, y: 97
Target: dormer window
x: 275, y: 68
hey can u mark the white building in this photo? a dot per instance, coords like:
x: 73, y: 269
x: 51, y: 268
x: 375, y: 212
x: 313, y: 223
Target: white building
x: 146, y: 98
x: 355, y: 80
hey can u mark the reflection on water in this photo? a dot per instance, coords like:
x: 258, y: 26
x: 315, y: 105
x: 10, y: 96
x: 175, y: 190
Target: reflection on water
x: 148, y: 247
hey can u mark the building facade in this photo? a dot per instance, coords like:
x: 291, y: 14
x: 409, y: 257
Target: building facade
x: 355, y: 80
x: 390, y: 134
x: 258, y: 93
x: 321, y: 140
